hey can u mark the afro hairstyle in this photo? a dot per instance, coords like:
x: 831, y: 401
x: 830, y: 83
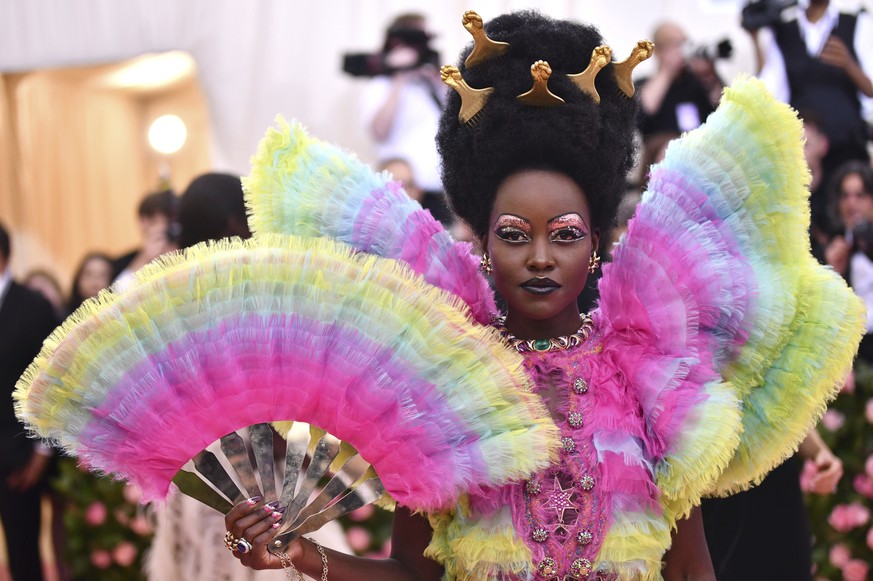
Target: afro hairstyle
x: 589, y: 142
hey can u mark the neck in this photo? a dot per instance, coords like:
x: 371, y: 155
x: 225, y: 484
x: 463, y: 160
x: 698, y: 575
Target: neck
x: 816, y: 10
x: 562, y: 324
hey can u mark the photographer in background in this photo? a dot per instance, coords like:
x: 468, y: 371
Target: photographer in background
x: 820, y: 61
x: 850, y: 253
x: 402, y: 104
x: 675, y: 99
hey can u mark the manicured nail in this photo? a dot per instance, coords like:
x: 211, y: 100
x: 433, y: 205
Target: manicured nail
x: 271, y: 506
x: 282, y: 509
x: 276, y: 525
x: 254, y: 500
x: 277, y: 515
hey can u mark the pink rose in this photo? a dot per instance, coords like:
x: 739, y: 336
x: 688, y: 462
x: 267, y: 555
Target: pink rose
x: 101, y: 559
x: 864, y: 485
x: 855, y: 570
x: 860, y: 513
x: 868, y: 466
x: 833, y: 420
x: 365, y: 512
x: 839, y: 555
x: 849, y: 384
x: 807, y: 475
x: 95, y: 514
x: 121, y: 516
x: 124, y: 554
x: 359, y: 538
x: 141, y: 526
x: 845, y: 517
x: 132, y: 493
x: 868, y: 411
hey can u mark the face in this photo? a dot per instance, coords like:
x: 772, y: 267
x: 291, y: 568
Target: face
x: 96, y: 275
x: 402, y: 172
x: 540, y: 242
x: 46, y: 288
x: 855, y: 204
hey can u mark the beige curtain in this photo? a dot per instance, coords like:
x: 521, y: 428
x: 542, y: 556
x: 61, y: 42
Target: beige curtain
x: 75, y: 162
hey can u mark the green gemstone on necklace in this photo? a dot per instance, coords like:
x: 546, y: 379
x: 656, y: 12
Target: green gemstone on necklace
x: 542, y: 344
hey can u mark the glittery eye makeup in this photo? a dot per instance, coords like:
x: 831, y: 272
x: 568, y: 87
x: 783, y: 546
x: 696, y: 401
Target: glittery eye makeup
x: 512, y: 228
x: 568, y: 228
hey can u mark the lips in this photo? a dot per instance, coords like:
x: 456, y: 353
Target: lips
x: 540, y: 286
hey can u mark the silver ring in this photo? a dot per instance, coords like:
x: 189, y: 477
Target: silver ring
x: 242, y: 546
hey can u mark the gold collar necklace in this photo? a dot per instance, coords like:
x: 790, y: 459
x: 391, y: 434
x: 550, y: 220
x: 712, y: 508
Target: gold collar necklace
x: 553, y: 344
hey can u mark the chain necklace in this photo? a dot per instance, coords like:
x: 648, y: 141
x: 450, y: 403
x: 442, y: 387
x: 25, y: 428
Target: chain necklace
x: 553, y: 344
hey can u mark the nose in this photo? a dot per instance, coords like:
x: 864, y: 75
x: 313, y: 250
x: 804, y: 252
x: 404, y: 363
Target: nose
x: 540, y: 257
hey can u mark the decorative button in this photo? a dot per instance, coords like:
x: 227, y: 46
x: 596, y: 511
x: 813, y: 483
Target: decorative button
x: 575, y: 419
x: 533, y: 487
x: 568, y: 444
x: 587, y: 483
x: 580, y: 568
x: 584, y: 537
x: 540, y: 534
x: 541, y: 344
x: 548, y: 567
x: 580, y: 386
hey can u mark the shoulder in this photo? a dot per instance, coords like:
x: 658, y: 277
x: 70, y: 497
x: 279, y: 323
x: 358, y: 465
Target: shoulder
x: 29, y: 304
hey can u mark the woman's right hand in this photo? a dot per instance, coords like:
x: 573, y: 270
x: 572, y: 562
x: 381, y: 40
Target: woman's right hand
x: 257, y: 523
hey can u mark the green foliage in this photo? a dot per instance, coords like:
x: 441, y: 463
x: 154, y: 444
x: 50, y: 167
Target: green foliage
x: 107, y: 530
x: 849, y: 433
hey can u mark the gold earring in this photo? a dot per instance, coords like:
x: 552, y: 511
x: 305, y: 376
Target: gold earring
x: 485, y: 263
x: 594, y: 262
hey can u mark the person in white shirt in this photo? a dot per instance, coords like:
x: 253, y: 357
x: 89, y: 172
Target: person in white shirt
x: 822, y: 61
x: 401, y: 108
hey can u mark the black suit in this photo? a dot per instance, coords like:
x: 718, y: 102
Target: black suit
x: 26, y: 319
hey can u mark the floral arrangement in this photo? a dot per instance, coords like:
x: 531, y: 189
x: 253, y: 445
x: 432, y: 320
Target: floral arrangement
x: 841, y: 522
x: 107, y: 529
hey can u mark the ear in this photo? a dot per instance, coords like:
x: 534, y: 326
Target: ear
x: 481, y: 245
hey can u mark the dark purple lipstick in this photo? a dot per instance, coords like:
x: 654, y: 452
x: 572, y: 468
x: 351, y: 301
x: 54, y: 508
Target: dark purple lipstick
x: 540, y: 285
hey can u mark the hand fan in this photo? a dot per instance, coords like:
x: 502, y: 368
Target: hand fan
x: 280, y: 328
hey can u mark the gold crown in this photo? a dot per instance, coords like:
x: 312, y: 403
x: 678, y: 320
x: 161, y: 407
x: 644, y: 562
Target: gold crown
x: 484, y: 49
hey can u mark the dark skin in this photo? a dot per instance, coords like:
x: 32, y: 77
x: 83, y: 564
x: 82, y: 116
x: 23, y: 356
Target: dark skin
x: 540, y: 228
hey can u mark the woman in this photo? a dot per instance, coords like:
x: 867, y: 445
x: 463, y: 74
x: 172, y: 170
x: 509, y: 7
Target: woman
x: 546, y: 445
x: 93, y: 275
x: 850, y: 252
x: 643, y: 389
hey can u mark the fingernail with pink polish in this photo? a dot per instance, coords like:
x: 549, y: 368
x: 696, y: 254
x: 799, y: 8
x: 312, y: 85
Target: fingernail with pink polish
x: 254, y: 500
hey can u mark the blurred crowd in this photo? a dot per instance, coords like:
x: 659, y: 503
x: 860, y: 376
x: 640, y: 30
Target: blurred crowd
x: 809, y: 520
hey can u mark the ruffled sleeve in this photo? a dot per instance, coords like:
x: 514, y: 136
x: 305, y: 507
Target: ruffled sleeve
x: 302, y: 186
x: 732, y: 335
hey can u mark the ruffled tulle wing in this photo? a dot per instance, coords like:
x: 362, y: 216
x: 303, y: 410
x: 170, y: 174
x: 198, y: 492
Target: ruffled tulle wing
x: 305, y: 187
x: 734, y: 337
x: 231, y: 334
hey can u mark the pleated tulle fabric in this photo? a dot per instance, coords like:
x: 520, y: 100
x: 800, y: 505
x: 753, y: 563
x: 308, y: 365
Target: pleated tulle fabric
x: 735, y: 337
x: 225, y: 335
x: 305, y: 187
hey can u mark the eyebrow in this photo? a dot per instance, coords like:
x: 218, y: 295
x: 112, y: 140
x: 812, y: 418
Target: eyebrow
x: 508, y: 215
x: 566, y: 215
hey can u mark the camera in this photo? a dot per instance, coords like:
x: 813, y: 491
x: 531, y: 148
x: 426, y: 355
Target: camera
x: 374, y: 64
x: 722, y: 49
x: 862, y: 235
x: 762, y: 13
